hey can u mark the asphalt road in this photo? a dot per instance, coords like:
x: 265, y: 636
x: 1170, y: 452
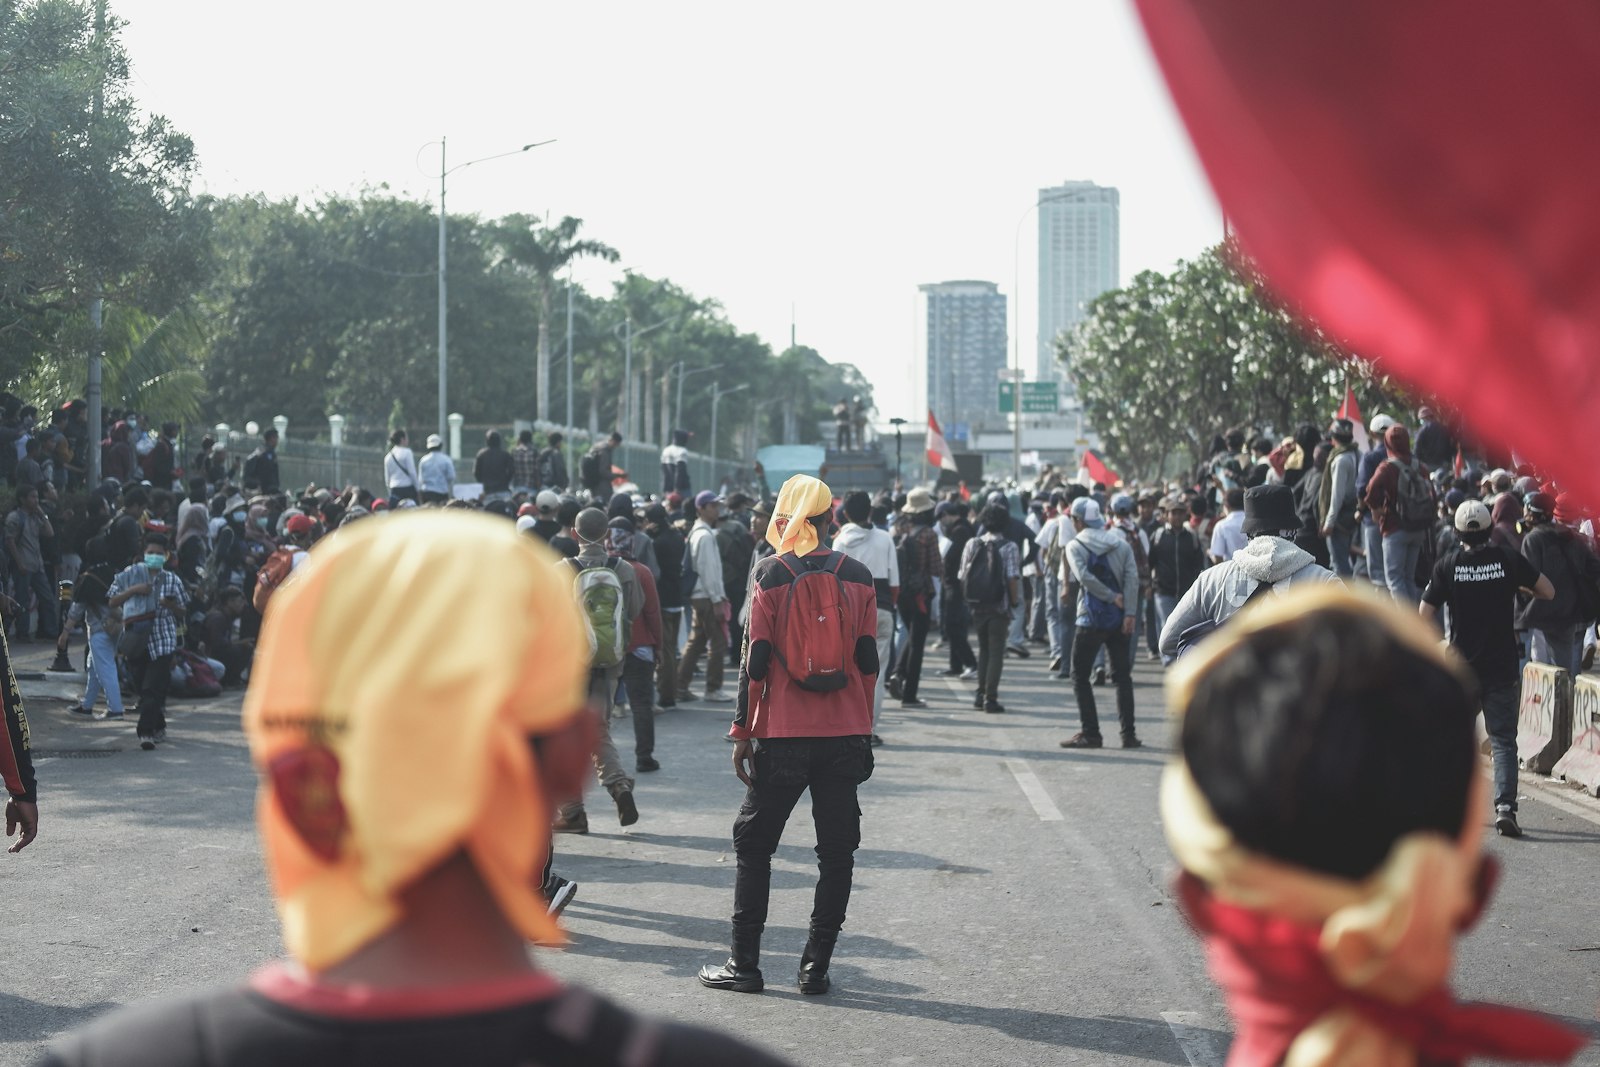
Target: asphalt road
x: 1011, y: 901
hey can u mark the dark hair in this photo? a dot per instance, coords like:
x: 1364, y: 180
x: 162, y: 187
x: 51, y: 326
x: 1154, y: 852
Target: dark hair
x: 879, y: 515
x: 197, y: 489
x: 996, y: 518
x: 616, y: 437
x: 858, y: 507
x: 1235, y: 439
x: 554, y: 439
x: 567, y: 513
x: 1235, y: 499
x: 492, y: 438
x: 1199, y: 506
x: 154, y: 539
x: 396, y: 437
x: 1303, y: 737
x: 1475, y: 538
x: 272, y: 433
x: 525, y: 437
x: 1261, y: 446
x: 229, y: 594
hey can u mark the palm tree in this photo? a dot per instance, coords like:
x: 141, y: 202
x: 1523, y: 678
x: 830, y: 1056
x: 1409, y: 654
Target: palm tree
x: 543, y: 252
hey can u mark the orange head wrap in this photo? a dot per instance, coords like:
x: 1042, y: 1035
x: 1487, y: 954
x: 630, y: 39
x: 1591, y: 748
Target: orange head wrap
x: 801, y: 498
x: 399, y: 677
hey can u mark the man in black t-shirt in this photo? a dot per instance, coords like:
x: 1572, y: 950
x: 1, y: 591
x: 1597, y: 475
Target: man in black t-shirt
x: 1479, y: 582
x: 407, y: 911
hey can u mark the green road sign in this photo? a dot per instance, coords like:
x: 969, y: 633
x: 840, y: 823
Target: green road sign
x: 1038, y: 398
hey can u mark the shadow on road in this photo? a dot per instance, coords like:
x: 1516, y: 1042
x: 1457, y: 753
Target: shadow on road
x: 22, y: 1019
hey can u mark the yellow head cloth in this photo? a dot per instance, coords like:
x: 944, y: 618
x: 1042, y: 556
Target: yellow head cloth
x: 800, y: 498
x: 398, y: 679
x: 1390, y: 935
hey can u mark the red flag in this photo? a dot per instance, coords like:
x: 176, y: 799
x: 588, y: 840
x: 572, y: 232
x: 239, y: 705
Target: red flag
x: 1351, y: 410
x: 1433, y: 207
x: 939, y: 455
x: 1098, y: 471
x: 1461, y: 463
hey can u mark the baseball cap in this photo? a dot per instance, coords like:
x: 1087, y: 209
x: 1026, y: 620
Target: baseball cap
x: 1379, y: 424
x: 1543, y: 503
x: 547, y: 501
x: 1087, y: 511
x: 435, y: 441
x: 1122, y: 504
x: 530, y: 508
x: 1472, y: 517
x: 525, y: 523
x: 704, y: 498
x: 300, y: 524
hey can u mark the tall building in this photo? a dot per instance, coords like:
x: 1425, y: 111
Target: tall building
x: 1079, y: 237
x: 965, y: 348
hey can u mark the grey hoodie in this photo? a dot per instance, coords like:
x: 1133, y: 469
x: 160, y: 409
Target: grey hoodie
x: 1222, y: 590
x: 1114, y: 545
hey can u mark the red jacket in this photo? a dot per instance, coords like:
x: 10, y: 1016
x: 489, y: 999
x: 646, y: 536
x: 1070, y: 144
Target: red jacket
x: 646, y: 630
x: 770, y: 703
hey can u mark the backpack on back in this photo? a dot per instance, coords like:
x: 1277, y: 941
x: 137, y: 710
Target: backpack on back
x: 1414, y: 501
x: 605, y: 611
x: 1102, y: 614
x: 985, y: 586
x: 815, y: 642
x: 272, y: 574
x: 589, y: 468
x: 547, y: 468
x: 1141, y: 559
x: 908, y: 554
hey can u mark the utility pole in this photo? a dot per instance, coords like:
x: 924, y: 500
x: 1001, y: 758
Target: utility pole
x: 567, y: 434
x: 444, y: 307
x: 97, y: 338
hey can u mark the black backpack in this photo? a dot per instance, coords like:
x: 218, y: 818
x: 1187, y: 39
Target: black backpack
x: 986, y: 576
x: 547, y: 467
x: 589, y: 469
x: 913, y: 582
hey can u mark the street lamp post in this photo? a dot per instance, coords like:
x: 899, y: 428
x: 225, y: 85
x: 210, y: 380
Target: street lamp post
x: 444, y: 315
x: 716, y: 398
x: 628, y: 333
x: 897, y: 423
x: 682, y: 374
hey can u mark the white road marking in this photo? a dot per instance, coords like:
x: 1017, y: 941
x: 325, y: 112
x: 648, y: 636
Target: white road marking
x: 1199, y: 1044
x: 1034, y: 790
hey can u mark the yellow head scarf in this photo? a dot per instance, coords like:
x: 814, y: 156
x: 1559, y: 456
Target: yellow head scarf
x: 1389, y: 936
x: 800, y: 498
x: 399, y: 677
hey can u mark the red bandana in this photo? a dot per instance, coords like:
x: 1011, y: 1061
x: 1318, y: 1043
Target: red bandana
x: 1277, y: 985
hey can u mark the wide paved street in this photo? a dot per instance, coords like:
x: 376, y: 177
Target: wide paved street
x: 1011, y: 902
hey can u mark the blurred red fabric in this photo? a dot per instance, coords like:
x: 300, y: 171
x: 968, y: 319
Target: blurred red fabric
x: 1419, y: 177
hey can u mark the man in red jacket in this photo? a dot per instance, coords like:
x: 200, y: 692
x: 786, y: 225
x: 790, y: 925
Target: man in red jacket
x: 790, y: 736
x: 644, y: 645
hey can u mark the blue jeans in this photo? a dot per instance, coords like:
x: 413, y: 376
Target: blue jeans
x: 102, y: 672
x: 1052, y: 615
x: 1339, y: 552
x: 1500, y: 721
x: 1372, y: 544
x: 1401, y: 551
x: 1152, y: 627
x: 1165, y: 606
x: 1559, y: 646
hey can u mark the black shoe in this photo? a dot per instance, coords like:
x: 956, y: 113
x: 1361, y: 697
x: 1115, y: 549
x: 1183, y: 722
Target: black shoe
x: 874, y: 740
x: 559, y: 892
x: 896, y: 690
x: 1131, y: 741
x: 1018, y: 651
x: 646, y: 765
x: 742, y: 972
x: 913, y: 703
x: 950, y: 672
x: 977, y: 704
x: 1100, y: 676
x: 79, y: 709
x: 576, y: 823
x: 1081, y: 741
x: 1055, y: 664
x: 147, y: 743
x: 1505, y: 823
x: 813, y: 976
x: 994, y: 707
x: 627, y: 810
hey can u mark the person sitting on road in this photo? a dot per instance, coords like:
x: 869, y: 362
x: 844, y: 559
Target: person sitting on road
x: 407, y: 911
x: 1270, y: 562
x: 1327, y: 868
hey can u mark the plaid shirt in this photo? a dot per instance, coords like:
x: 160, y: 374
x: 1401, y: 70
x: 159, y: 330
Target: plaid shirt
x: 163, y: 639
x: 524, y: 467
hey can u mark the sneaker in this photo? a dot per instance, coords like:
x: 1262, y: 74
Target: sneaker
x: 1055, y: 664
x: 114, y: 716
x: 627, y: 810
x: 646, y: 765
x: 950, y: 672
x: 576, y: 823
x: 894, y: 687
x: 1018, y: 651
x: 79, y: 709
x: 994, y: 707
x: 913, y: 703
x: 718, y: 697
x: 1081, y: 741
x: 1588, y: 658
x: 1100, y: 676
x: 969, y: 675
x: 977, y: 703
x: 559, y: 892
x: 147, y: 743
x: 874, y: 740
x: 1131, y: 741
x: 666, y: 706
x: 1505, y: 823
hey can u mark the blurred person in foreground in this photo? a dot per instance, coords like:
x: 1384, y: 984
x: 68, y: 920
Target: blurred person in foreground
x: 1326, y: 869
x: 407, y: 911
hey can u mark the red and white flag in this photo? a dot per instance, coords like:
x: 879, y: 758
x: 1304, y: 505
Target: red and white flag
x: 1352, y: 411
x: 939, y: 455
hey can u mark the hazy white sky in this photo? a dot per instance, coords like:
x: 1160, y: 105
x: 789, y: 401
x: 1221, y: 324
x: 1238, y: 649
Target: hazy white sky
x: 832, y: 155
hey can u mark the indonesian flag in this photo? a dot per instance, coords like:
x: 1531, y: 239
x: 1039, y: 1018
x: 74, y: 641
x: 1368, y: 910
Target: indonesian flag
x: 939, y: 455
x: 1096, y: 470
x: 1352, y: 411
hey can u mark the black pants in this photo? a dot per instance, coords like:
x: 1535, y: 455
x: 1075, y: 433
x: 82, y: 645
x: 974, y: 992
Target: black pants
x: 153, y: 676
x: 993, y: 628
x: 910, y: 666
x: 831, y: 767
x: 1086, y: 644
x: 957, y: 625
x: 639, y: 678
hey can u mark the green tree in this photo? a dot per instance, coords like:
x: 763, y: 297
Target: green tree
x: 94, y: 195
x: 543, y: 252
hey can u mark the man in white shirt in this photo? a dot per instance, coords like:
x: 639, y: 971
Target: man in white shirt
x: 436, y: 472
x: 1227, y: 537
x: 708, y: 602
x: 873, y: 549
x: 400, y: 469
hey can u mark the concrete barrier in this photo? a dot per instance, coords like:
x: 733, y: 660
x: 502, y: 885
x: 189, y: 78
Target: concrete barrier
x: 1544, y: 721
x: 1580, y: 765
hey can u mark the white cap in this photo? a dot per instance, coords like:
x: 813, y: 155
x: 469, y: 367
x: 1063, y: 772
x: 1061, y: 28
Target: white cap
x: 525, y: 523
x: 1380, y: 423
x: 1472, y: 516
x: 435, y: 441
x: 548, y: 501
